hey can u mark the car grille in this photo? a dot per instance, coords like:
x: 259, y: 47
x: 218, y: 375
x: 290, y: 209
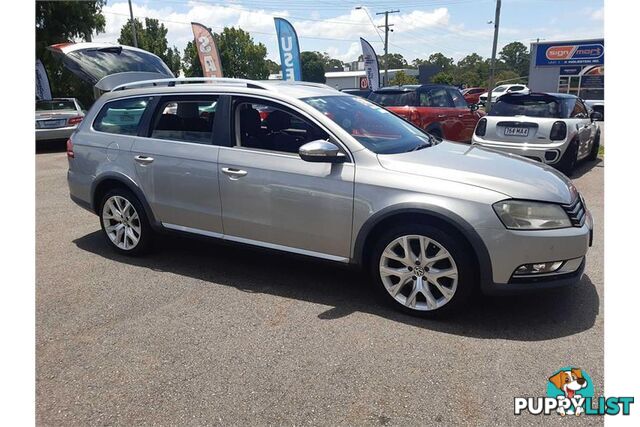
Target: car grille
x: 576, y: 212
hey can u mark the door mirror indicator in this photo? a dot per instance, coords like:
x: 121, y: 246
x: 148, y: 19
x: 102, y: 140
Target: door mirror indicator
x: 321, y: 151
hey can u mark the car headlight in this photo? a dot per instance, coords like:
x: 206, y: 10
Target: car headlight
x: 525, y: 215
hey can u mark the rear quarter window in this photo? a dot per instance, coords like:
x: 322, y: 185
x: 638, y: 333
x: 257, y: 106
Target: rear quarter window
x: 121, y: 117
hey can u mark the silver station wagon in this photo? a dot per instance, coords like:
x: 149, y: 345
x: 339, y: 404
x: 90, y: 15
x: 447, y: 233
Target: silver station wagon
x: 303, y: 168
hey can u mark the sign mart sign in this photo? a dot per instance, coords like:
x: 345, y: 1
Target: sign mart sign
x: 570, y: 53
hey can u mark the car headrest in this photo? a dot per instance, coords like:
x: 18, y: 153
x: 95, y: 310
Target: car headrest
x: 278, y: 120
x: 188, y: 110
x: 249, y: 120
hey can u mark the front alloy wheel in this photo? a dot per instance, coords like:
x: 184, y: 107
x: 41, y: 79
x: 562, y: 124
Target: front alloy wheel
x: 418, y: 272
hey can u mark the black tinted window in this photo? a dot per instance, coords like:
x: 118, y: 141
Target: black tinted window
x: 527, y: 106
x: 185, y: 120
x: 458, y: 99
x: 393, y: 99
x: 268, y: 127
x: 122, y: 116
x: 61, y: 104
x: 437, y: 97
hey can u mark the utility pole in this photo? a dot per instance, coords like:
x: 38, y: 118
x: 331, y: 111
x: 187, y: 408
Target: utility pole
x: 386, y: 42
x: 492, y: 72
x: 133, y: 26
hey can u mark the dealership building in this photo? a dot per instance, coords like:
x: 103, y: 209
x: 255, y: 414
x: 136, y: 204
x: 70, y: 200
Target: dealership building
x: 575, y: 67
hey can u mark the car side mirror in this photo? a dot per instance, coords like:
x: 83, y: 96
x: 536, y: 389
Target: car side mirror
x: 321, y: 151
x: 596, y: 116
x: 473, y: 107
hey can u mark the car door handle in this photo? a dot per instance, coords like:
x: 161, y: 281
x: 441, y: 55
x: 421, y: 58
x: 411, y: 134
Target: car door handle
x: 143, y: 160
x: 234, y: 173
x: 442, y: 116
x: 460, y: 116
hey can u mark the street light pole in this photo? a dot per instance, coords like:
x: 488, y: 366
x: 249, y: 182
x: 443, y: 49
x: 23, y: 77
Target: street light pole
x: 492, y: 72
x: 386, y: 42
x: 133, y: 26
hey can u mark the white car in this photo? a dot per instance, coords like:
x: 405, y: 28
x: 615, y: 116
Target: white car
x: 503, y: 90
x: 552, y: 128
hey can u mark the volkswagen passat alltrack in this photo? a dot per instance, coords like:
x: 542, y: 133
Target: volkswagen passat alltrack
x: 303, y: 168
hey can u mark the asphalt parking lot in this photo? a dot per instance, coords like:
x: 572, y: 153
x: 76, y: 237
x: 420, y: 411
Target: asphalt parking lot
x: 202, y: 332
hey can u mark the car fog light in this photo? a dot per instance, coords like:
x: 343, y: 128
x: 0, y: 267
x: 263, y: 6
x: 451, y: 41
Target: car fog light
x: 538, y: 268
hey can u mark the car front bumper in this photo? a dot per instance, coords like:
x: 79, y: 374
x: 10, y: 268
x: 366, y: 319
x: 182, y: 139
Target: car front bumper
x: 509, y: 249
x: 54, y: 134
x: 550, y: 153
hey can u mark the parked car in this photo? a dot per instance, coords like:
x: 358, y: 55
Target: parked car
x: 438, y: 109
x: 551, y: 128
x: 430, y: 220
x: 596, y: 105
x: 501, y: 90
x: 358, y: 92
x: 57, y: 119
x: 472, y: 94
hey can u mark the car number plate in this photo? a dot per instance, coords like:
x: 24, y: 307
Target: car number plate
x: 51, y: 123
x: 511, y: 131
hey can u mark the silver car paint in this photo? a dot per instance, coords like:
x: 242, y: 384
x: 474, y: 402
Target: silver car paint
x: 316, y: 208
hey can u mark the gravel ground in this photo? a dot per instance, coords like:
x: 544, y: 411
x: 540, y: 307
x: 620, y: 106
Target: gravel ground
x: 202, y: 332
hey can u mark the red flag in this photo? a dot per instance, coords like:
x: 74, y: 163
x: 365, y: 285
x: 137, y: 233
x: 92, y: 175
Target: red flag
x: 207, y: 51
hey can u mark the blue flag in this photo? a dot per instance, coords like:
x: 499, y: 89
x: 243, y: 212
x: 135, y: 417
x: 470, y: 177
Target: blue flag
x: 289, y: 50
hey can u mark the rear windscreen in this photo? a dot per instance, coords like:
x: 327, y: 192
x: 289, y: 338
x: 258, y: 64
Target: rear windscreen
x: 393, y: 99
x: 527, y: 106
x: 63, y: 104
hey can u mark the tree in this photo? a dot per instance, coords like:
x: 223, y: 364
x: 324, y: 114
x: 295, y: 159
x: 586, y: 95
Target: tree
x: 402, y: 78
x: 396, y: 61
x: 191, y: 66
x: 153, y: 38
x: 442, y: 78
x: 515, y: 56
x: 312, y: 64
x: 63, y: 21
x: 240, y: 56
x: 438, y: 59
x: 507, y: 76
x: 273, y: 66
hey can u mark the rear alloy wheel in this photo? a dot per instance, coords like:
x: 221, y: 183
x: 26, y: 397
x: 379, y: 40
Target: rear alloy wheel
x: 123, y: 222
x: 423, y: 272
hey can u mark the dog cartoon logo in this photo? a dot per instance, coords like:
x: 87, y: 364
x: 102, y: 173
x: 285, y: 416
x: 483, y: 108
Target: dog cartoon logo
x: 572, y: 384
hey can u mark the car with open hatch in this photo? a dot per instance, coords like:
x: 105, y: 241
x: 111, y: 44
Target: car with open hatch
x: 327, y: 175
x: 552, y: 128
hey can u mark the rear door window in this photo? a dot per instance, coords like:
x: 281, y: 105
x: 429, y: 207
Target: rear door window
x: 122, y: 116
x: 185, y: 119
x: 458, y: 99
x: 389, y: 98
x: 437, y: 97
x: 516, y: 88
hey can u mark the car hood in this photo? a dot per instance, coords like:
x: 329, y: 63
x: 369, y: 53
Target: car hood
x: 511, y: 175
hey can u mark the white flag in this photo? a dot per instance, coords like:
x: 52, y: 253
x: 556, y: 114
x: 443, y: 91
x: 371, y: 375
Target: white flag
x: 371, y: 67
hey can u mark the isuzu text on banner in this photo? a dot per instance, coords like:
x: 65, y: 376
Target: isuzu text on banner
x: 289, y: 50
x: 207, y: 51
x: 371, y: 67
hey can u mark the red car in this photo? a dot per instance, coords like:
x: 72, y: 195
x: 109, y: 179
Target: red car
x: 472, y: 94
x: 440, y: 110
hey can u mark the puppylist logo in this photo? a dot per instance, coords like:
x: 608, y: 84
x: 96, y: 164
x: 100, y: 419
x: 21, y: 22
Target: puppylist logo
x: 570, y: 392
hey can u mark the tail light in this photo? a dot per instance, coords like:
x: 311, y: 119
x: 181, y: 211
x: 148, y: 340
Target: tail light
x: 558, y: 131
x: 70, y: 153
x: 481, y: 127
x: 74, y: 120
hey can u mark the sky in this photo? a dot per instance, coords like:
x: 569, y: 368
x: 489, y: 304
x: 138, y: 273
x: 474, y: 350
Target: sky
x: 454, y: 27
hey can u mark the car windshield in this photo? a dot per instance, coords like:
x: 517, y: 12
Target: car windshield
x: 59, y: 104
x: 528, y: 105
x: 389, y: 98
x: 376, y: 128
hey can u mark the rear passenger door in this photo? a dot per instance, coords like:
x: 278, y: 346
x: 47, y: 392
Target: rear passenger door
x: 176, y: 163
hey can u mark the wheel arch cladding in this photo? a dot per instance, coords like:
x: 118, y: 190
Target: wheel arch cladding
x: 108, y: 182
x: 388, y: 217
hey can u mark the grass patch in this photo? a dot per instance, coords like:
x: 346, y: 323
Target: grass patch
x: 601, y: 151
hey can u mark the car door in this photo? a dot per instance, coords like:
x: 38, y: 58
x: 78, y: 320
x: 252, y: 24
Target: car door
x: 436, y: 106
x: 584, y: 126
x: 270, y: 196
x: 176, y: 163
x: 467, y: 118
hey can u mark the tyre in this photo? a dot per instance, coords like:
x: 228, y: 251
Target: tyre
x: 124, y: 223
x: 593, y: 154
x: 567, y: 163
x: 422, y: 270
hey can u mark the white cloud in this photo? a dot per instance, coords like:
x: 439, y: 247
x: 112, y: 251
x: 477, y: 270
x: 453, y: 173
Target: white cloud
x: 598, y: 14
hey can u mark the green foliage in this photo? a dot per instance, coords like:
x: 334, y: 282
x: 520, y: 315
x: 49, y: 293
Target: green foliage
x: 507, y: 76
x: 153, y: 38
x: 240, y: 56
x: 515, y: 56
x: 273, y: 66
x: 442, y: 78
x: 438, y: 59
x: 63, y: 21
x: 312, y: 64
x: 396, y: 61
x: 402, y: 78
x: 191, y: 66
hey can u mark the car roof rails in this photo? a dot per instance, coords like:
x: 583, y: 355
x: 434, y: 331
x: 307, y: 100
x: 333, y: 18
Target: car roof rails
x: 211, y: 80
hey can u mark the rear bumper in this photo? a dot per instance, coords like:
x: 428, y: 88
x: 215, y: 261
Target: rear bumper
x: 54, y: 134
x: 546, y: 153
